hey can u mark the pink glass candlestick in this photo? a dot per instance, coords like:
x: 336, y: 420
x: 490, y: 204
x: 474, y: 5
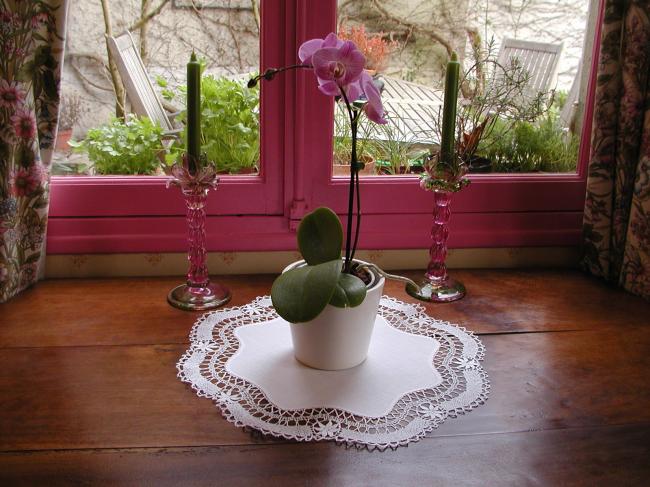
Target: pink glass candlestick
x: 198, y: 293
x: 437, y: 286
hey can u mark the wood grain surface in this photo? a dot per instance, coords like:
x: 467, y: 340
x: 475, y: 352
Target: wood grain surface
x: 89, y: 393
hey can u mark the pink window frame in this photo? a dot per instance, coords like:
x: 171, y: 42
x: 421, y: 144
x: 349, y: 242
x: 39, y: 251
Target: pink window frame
x: 494, y: 211
x: 137, y: 214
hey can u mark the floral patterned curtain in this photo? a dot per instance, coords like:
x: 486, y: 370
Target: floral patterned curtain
x: 617, y: 209
x: 31, y: 54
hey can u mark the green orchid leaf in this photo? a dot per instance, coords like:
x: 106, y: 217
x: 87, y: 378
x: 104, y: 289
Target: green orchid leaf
x: 320, y: 236
x: 350, y: 291
x: 301, y: 294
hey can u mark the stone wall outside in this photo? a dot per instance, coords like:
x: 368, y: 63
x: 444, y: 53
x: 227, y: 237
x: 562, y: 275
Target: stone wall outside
x: 228, y: 40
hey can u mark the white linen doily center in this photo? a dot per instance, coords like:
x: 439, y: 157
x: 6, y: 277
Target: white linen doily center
x: 398, y: 363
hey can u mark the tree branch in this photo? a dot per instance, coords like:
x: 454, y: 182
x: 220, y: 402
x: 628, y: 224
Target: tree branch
x: 146, y: 18
x: 411, y: 27
x: 144, y: 6
x: 112, y: 68
x: 256, y: 14
x: 82, y: 77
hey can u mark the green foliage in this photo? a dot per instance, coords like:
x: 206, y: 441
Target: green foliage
x: 165, y: 91
x: 320, y: 237
x: 392, y: 146
x: 559, y: 99
x: 350, y: 291
x: 497, y: 95
x: 302, y: 293
x: 123, y: 147
x: 342, y: 139
x: 531, y: 146
x: 229, y: 124
x: 395, y: 148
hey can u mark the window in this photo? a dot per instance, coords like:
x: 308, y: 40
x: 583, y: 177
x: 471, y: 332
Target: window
x: 520, y: 80
x: 123, y: 213
x: 495, y: 210
x: 151, y: 43
x: 118, y: 214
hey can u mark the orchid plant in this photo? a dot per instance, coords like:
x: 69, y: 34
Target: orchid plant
x: 301, y: 294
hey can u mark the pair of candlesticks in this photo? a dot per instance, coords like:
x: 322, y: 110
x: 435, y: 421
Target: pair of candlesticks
x: 199, y: 293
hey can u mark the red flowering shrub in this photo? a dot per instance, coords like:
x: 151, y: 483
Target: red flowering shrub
x: 374, y: 47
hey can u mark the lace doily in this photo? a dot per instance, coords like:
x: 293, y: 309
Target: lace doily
x: 461, y: 383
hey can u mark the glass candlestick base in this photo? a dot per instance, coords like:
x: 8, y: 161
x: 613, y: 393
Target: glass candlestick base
x: 442, y: 291
x: 198, y: 298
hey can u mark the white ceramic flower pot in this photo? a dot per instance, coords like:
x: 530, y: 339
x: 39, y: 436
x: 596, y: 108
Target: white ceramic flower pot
x: 338, y: 338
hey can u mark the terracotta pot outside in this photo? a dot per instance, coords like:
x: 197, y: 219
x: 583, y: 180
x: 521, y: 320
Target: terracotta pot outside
x: 403, y: 171
x: 344, y: 169
x: 62, y: 138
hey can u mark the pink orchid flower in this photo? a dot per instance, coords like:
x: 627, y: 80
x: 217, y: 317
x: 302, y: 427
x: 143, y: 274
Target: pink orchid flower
x: 308, y: 48
x: 338, y: 67
x: 364, y: 87
x: 373, y: 108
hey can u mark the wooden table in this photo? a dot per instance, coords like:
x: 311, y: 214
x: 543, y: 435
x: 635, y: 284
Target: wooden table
x: 89, y: 394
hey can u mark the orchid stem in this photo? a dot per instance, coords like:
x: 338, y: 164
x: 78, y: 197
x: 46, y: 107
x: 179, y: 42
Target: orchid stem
x: 271, y: 72
x: 356, y: 230
x: 349, y: 252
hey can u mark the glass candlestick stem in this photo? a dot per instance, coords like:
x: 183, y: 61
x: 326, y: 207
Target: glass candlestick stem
x: 198, y: 293
x: 437, y: 286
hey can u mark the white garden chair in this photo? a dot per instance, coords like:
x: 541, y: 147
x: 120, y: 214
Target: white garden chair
x: 540, y: 60
x: 411, y: 109
x: 139, y: 88
x: 571, y: 107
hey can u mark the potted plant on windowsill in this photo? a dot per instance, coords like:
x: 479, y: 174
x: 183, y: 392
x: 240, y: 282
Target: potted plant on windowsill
x: 343, y: 145
x: 331, y: 301
x: 229, y: 123
x: 71, y: 111
x: 498, y: 97
x: 331, y: 312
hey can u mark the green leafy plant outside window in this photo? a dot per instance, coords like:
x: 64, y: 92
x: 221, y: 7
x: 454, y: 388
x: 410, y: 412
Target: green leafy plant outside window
x: 540, y: 146
x: 132, y: 146
x: 229, y: 124
x: 392, y: 147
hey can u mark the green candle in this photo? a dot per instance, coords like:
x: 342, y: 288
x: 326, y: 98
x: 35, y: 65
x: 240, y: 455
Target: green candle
x: 193, y: 114
x: 449, y: 110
